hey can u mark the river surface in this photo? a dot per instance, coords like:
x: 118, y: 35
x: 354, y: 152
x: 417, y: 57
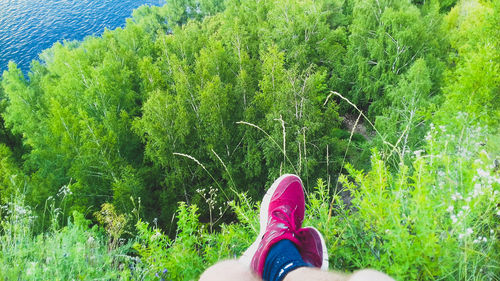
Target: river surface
x: 28, y: 27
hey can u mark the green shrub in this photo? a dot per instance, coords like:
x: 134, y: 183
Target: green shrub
x: 74, y: 252
x: 436, y: 219
x: 193, y: 249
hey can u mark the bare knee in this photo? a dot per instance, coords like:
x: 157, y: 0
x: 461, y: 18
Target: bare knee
x: 369, y: 274
x: 228, y: 270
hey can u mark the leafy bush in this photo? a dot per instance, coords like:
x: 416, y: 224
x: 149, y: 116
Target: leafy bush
x: 194, y: 246
x: 472, y: 81
x: 424, y: 224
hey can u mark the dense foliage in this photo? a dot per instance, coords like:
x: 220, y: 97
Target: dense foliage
x: 108, y: 115
x: 207, y: 102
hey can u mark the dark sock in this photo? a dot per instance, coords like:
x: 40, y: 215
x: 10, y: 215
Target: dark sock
x: 281, y: 259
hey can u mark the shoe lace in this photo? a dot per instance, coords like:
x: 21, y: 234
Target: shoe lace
x: 289, y: 223
x: 287, y: 219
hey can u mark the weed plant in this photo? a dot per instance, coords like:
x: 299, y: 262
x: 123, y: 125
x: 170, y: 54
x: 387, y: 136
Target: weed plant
x: 73, y: 252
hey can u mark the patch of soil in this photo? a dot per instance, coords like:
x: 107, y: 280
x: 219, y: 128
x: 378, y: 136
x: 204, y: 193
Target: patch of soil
x: 349, y: 122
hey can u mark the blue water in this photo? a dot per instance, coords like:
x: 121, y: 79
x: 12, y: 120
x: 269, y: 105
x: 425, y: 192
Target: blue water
x: 27, y: 27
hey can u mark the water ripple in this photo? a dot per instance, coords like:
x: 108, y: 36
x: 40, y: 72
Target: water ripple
x: 27, y: 27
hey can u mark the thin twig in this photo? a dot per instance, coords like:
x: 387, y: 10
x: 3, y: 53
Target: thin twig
x: 364, y: 116
x: 227, y: 171
x: 272, y: 139
x: 201, y: 165
x: 342, y: 166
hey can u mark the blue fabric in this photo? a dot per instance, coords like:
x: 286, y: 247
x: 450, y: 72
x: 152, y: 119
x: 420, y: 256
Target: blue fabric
x: 281, y: 259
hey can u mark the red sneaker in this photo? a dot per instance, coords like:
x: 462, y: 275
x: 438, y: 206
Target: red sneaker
x: 281, y: 216
x: 312, y: 247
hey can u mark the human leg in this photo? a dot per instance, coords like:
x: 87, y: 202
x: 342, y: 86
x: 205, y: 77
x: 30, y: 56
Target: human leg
x: 281, y: 216
x: 234, y: 270
x: 229, y: 270
x: 315, y: 274
x: 287, y: 189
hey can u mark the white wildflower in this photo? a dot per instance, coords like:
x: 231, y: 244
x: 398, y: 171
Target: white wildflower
x: 483, y: 173
x: 478, y: 190
x: 454, y: 218
x: 64, y: 190
x: 456, y: 196
x: 418, y: 153
x: 450, y: 209
x: 428, y: 136
x: 31, y: 268
x: 155, y: 236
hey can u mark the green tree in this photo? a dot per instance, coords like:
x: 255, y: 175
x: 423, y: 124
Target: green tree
x: 472, y: 83
x: 402, y: 123
x: 75, y: 114
x: 6, y: 137
x: 11, y: 176
x: 386, y: 38
x: 178, y: 12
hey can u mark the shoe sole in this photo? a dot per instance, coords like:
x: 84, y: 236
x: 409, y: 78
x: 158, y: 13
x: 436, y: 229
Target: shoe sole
x: 247, y: 256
